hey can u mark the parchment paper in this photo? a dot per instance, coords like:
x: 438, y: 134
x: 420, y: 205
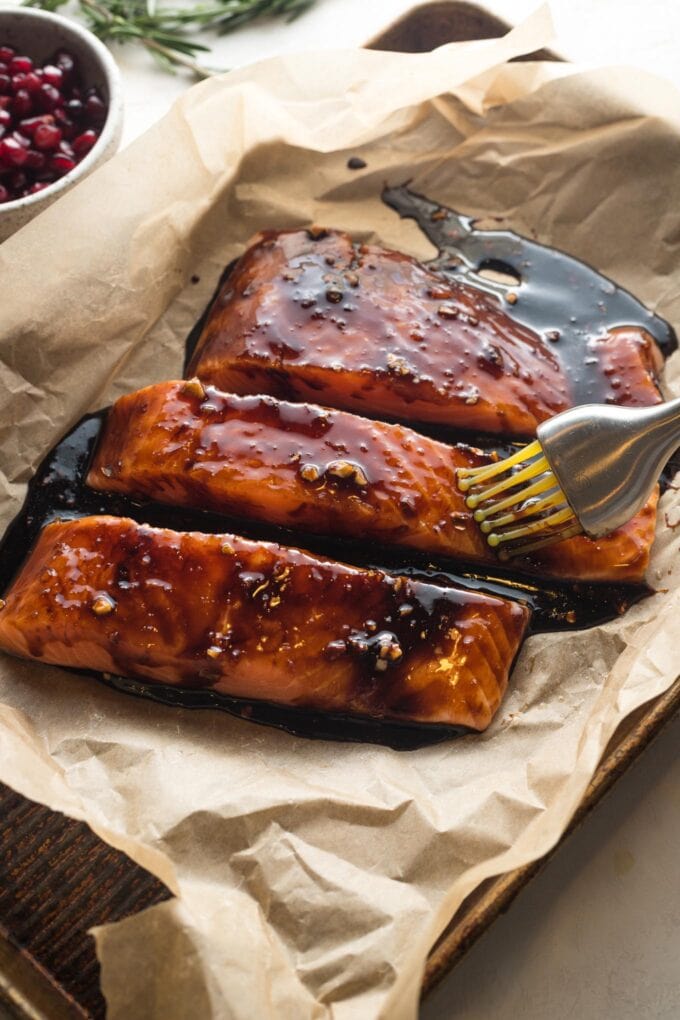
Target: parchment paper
x: 309, y: 878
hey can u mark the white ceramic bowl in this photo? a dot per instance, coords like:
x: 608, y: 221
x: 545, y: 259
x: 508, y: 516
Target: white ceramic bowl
x: 38, y: 34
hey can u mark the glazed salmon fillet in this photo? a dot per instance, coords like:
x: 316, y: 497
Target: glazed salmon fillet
x: 324, y: 471
x: 306, y: 315
x: 258, y: 620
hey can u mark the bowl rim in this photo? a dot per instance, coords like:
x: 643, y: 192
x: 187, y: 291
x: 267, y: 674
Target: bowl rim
x: 113, y: 114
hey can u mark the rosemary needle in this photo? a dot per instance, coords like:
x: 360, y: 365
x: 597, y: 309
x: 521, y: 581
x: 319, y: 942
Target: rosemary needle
x: 165, y: 32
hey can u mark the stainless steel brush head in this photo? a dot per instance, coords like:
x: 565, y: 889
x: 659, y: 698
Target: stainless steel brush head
x: 591, y: 470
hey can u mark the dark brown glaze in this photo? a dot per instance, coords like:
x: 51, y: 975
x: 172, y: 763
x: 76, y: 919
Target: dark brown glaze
x: 314, y: 469
x: 305, y: 315
x: 58, y: 490
x: 258, y: 620
x: 567, y: 305
x: 600, y: 333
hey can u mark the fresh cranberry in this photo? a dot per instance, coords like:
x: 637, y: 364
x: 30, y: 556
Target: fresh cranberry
x: 83, y: 143
x: 35, y: 160
x: 60, y: 163
x: 22, y: 104
x: 20, y: 64
x: 31, y: 82
x: 53, y: 75
x: 21, y: 139
x: 95, y: 109
x: 17, y: 181
x: 48, y: 98
x: 47, y: 124
x: 28, y: 126
x: 4, y: 194
x: 74, y: 109
x: 68, y: 128
x: 65, y: 62
x: 46, y: 136
x: 12, y: 153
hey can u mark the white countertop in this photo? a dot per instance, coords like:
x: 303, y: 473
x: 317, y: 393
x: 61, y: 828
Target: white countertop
x: 644, y: 34
x: 597, y: 934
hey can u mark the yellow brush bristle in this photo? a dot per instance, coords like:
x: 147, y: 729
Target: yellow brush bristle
x: 545, y: 483
x: 531, y: 508
x: 543, y: 524
x: 467, y: 477
x: 534, y: 497
x: 524, y: 548
x: 537, y: 467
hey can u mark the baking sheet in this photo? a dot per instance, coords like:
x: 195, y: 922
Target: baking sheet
x: 311, y: 879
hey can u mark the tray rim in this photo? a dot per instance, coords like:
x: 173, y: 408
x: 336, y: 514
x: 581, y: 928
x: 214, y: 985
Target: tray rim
x: 27, y: 990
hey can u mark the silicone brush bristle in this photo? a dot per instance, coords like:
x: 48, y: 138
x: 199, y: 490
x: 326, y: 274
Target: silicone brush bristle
x: 532, y: 504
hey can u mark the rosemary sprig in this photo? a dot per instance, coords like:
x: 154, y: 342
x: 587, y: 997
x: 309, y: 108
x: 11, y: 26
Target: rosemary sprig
x: 165, y: 31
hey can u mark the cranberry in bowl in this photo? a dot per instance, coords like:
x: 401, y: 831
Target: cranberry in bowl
x: 60, y: 110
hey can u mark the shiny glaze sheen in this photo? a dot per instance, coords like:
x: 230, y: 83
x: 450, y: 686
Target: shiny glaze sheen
x: 306, y: 315
x: 574, y: 308
x: 257, y: 620
x: 57, y: 491
x: 564, y: 303
x: 314, y: 469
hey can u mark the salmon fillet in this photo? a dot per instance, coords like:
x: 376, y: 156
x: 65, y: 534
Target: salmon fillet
x: 304, y: 315
x: 258, y: 620
x: 324, y: 471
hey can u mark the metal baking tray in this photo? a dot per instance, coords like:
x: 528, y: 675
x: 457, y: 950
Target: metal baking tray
x: 57, y: 879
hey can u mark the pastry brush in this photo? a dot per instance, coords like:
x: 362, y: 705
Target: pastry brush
x: 589, y: 471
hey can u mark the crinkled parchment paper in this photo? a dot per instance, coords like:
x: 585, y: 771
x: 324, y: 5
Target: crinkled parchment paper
x: 309, y: 878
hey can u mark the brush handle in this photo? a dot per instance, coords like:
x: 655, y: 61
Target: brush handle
x: 608, y: 459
